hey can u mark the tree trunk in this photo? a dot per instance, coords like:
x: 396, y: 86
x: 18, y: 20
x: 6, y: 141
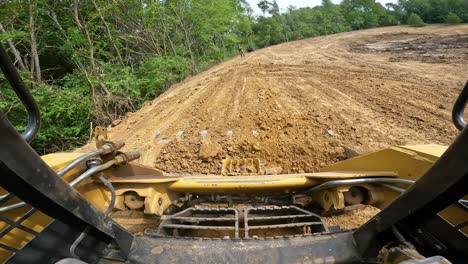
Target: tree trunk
x: 189, y: 47
x: 80, y: 66
x: 187, y: 39
x: 168, y: 36
x: 83, y: 27
x: 15, y: 52
x: 172, y: 45
x: 109, y: 34
x: 222, y: 43
x: 32, y: 31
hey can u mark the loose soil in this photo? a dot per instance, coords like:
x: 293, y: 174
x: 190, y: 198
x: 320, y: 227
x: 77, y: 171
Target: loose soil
x: 296, y: 105
x: 351, y: 219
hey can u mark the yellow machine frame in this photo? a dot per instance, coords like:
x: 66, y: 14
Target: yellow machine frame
x: 158, y: 191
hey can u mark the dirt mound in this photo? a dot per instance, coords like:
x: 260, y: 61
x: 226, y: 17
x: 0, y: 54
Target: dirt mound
x: 296, y: 105
x: 277, y: 142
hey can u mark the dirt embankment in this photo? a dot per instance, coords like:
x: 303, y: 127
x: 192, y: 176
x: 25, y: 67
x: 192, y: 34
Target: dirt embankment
x: 296, y: 105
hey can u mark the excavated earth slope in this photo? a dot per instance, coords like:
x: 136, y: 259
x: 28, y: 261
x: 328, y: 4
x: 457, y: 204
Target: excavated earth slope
x: 296, y: 105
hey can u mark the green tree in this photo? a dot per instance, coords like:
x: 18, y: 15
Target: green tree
x: 362, y: 14
x: 415, y: 21
x: 396, y: 11
x: 453, y: 19
x: 422, y: 8
x: 434, y: 11
x: 113, y: 55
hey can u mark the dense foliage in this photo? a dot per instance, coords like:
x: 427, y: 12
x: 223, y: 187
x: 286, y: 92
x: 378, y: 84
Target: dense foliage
x: 453, y: 19
x: 89, y: 62
x: 415, y: 21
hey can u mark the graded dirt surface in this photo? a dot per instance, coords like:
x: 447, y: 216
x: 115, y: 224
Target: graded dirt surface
x: 295, y: 105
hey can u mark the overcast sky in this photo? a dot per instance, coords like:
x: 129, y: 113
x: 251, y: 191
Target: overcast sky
x: 301, y: 3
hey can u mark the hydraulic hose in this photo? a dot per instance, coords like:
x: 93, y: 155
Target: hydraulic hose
x: 80, y: 178
x: 23, y: 93
x: 107, y: 212
x: 77, y: 161
x: 105, y: 149
x: 394, y: 188
x: 77, y: 241
x: 92, y: 171
x: 113, y: 196
x: 119, y: 159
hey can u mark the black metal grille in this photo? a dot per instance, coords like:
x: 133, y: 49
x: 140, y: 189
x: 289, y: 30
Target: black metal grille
x: 255, y: 222
x: 14, y: 224
x: 463, y: 204
x: 200, y: 222
x: 291, y: 220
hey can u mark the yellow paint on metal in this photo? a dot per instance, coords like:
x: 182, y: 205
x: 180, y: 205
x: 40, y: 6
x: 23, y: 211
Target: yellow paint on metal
x: 431, y: 151
x: 236, y: 184
x: 157, y: 197
x: 409, y: 164
x: 58, y: 160
x: 97, y: 195
x: 454, y: 215
x: 249, y: 166
x: 317, y: 175
x: 170, y: 188
x: 17, y: 238
x: 350, y: 174
x: 143, y: 179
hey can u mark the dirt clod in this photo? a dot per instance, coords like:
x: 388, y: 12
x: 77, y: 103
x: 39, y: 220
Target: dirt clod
x: 116, y: 122
x: 273, y: 170
x: 209, y: 150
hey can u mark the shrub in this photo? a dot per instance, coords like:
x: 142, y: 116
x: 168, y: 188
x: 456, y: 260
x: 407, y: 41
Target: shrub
x: 65, y: 118
x: 64, y: 115
x: 156, y: 74
x: 452, y: 19
x: 415, y: 21
x: 67, y: 107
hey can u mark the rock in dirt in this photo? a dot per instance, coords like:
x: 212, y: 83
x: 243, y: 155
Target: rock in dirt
x: 116, y: 122
x: 209, y: 150
x: 273, y: 170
